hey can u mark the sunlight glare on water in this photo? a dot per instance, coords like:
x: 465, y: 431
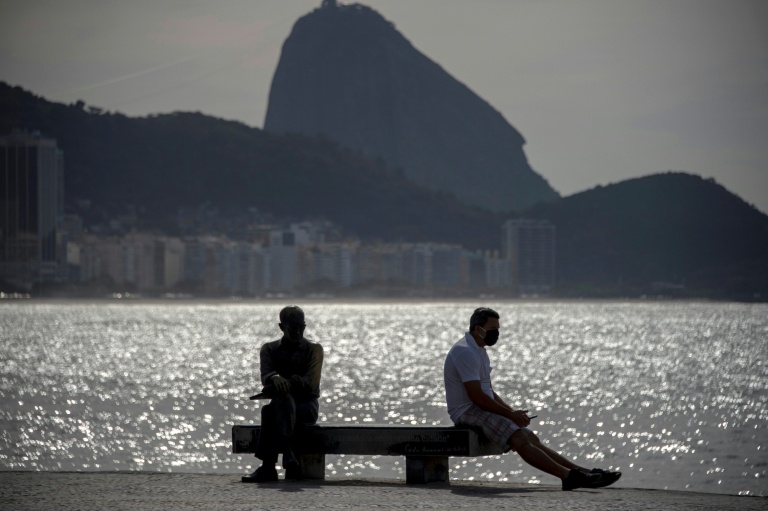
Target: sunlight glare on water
x: 673, y: 394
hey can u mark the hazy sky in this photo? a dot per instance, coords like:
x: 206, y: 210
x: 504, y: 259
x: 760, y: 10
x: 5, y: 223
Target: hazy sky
x: 602, y: 90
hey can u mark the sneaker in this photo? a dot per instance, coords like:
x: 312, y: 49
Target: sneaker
x: 578, y: 479
x: 261, y: 475
x: 607, y: 477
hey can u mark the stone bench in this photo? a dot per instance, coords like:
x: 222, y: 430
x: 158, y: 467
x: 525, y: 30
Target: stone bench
x: 426, y: 448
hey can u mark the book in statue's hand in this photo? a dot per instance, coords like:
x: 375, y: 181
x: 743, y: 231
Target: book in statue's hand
x: 268, y: 392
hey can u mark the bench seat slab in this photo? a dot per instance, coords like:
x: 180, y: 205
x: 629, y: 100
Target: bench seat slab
x: 426, y: 449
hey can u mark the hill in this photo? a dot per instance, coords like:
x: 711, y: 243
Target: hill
x: 159, y: 165
x: 672, y: 233
x: 347, y: 73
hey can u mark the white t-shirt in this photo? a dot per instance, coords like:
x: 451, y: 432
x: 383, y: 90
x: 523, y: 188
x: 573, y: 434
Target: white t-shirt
x: 466, y: 361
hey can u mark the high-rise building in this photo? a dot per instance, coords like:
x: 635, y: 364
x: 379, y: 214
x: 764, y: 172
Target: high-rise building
x: 31, y: 201
x: 446, y: 265
x: 497, y: 271
x: 282, y: 261
x: 529, y: 245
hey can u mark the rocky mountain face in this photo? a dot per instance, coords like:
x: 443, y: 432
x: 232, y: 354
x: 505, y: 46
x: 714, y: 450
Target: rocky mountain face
x: 347, y: 73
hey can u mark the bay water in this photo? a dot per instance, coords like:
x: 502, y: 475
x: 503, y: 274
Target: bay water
x: 673, y: 394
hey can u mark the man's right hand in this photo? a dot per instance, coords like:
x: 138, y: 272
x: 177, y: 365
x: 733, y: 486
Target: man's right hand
x: 282, y: 385
x: 520, y: 417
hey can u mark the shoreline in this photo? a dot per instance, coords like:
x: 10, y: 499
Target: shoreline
x: 173, y: 491
x: 235, y: 300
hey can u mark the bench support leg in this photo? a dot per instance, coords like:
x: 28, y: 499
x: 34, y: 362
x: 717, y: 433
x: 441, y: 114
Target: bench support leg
x: 312, y: 466
x: 426, y: 469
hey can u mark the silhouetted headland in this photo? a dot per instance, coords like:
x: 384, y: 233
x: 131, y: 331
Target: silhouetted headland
x: 347, y: 73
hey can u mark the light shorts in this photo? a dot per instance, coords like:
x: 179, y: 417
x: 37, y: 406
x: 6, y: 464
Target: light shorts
x: 496, y: 428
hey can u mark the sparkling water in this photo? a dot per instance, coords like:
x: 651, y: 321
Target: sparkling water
x: 675, y: 395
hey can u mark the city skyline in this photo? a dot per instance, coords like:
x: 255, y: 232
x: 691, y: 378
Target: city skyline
x: 602, y: 91
x: 41, y: 246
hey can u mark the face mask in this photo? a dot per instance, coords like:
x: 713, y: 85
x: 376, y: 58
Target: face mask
x: 491, y: 336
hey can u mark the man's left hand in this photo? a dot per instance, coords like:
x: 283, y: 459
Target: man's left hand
x: 520, y: 417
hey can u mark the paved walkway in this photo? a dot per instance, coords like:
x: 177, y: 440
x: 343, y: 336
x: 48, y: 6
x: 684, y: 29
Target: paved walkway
x: 155, y: 491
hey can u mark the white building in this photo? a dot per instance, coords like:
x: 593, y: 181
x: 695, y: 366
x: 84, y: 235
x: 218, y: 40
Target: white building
x: 281, y: 254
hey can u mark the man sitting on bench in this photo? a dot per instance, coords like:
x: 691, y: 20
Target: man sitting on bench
x: 290, y: 373
x: 473, y: 402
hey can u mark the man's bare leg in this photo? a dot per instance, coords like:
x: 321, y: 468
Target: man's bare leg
x: 535, y: 456
x: 556, y: 456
